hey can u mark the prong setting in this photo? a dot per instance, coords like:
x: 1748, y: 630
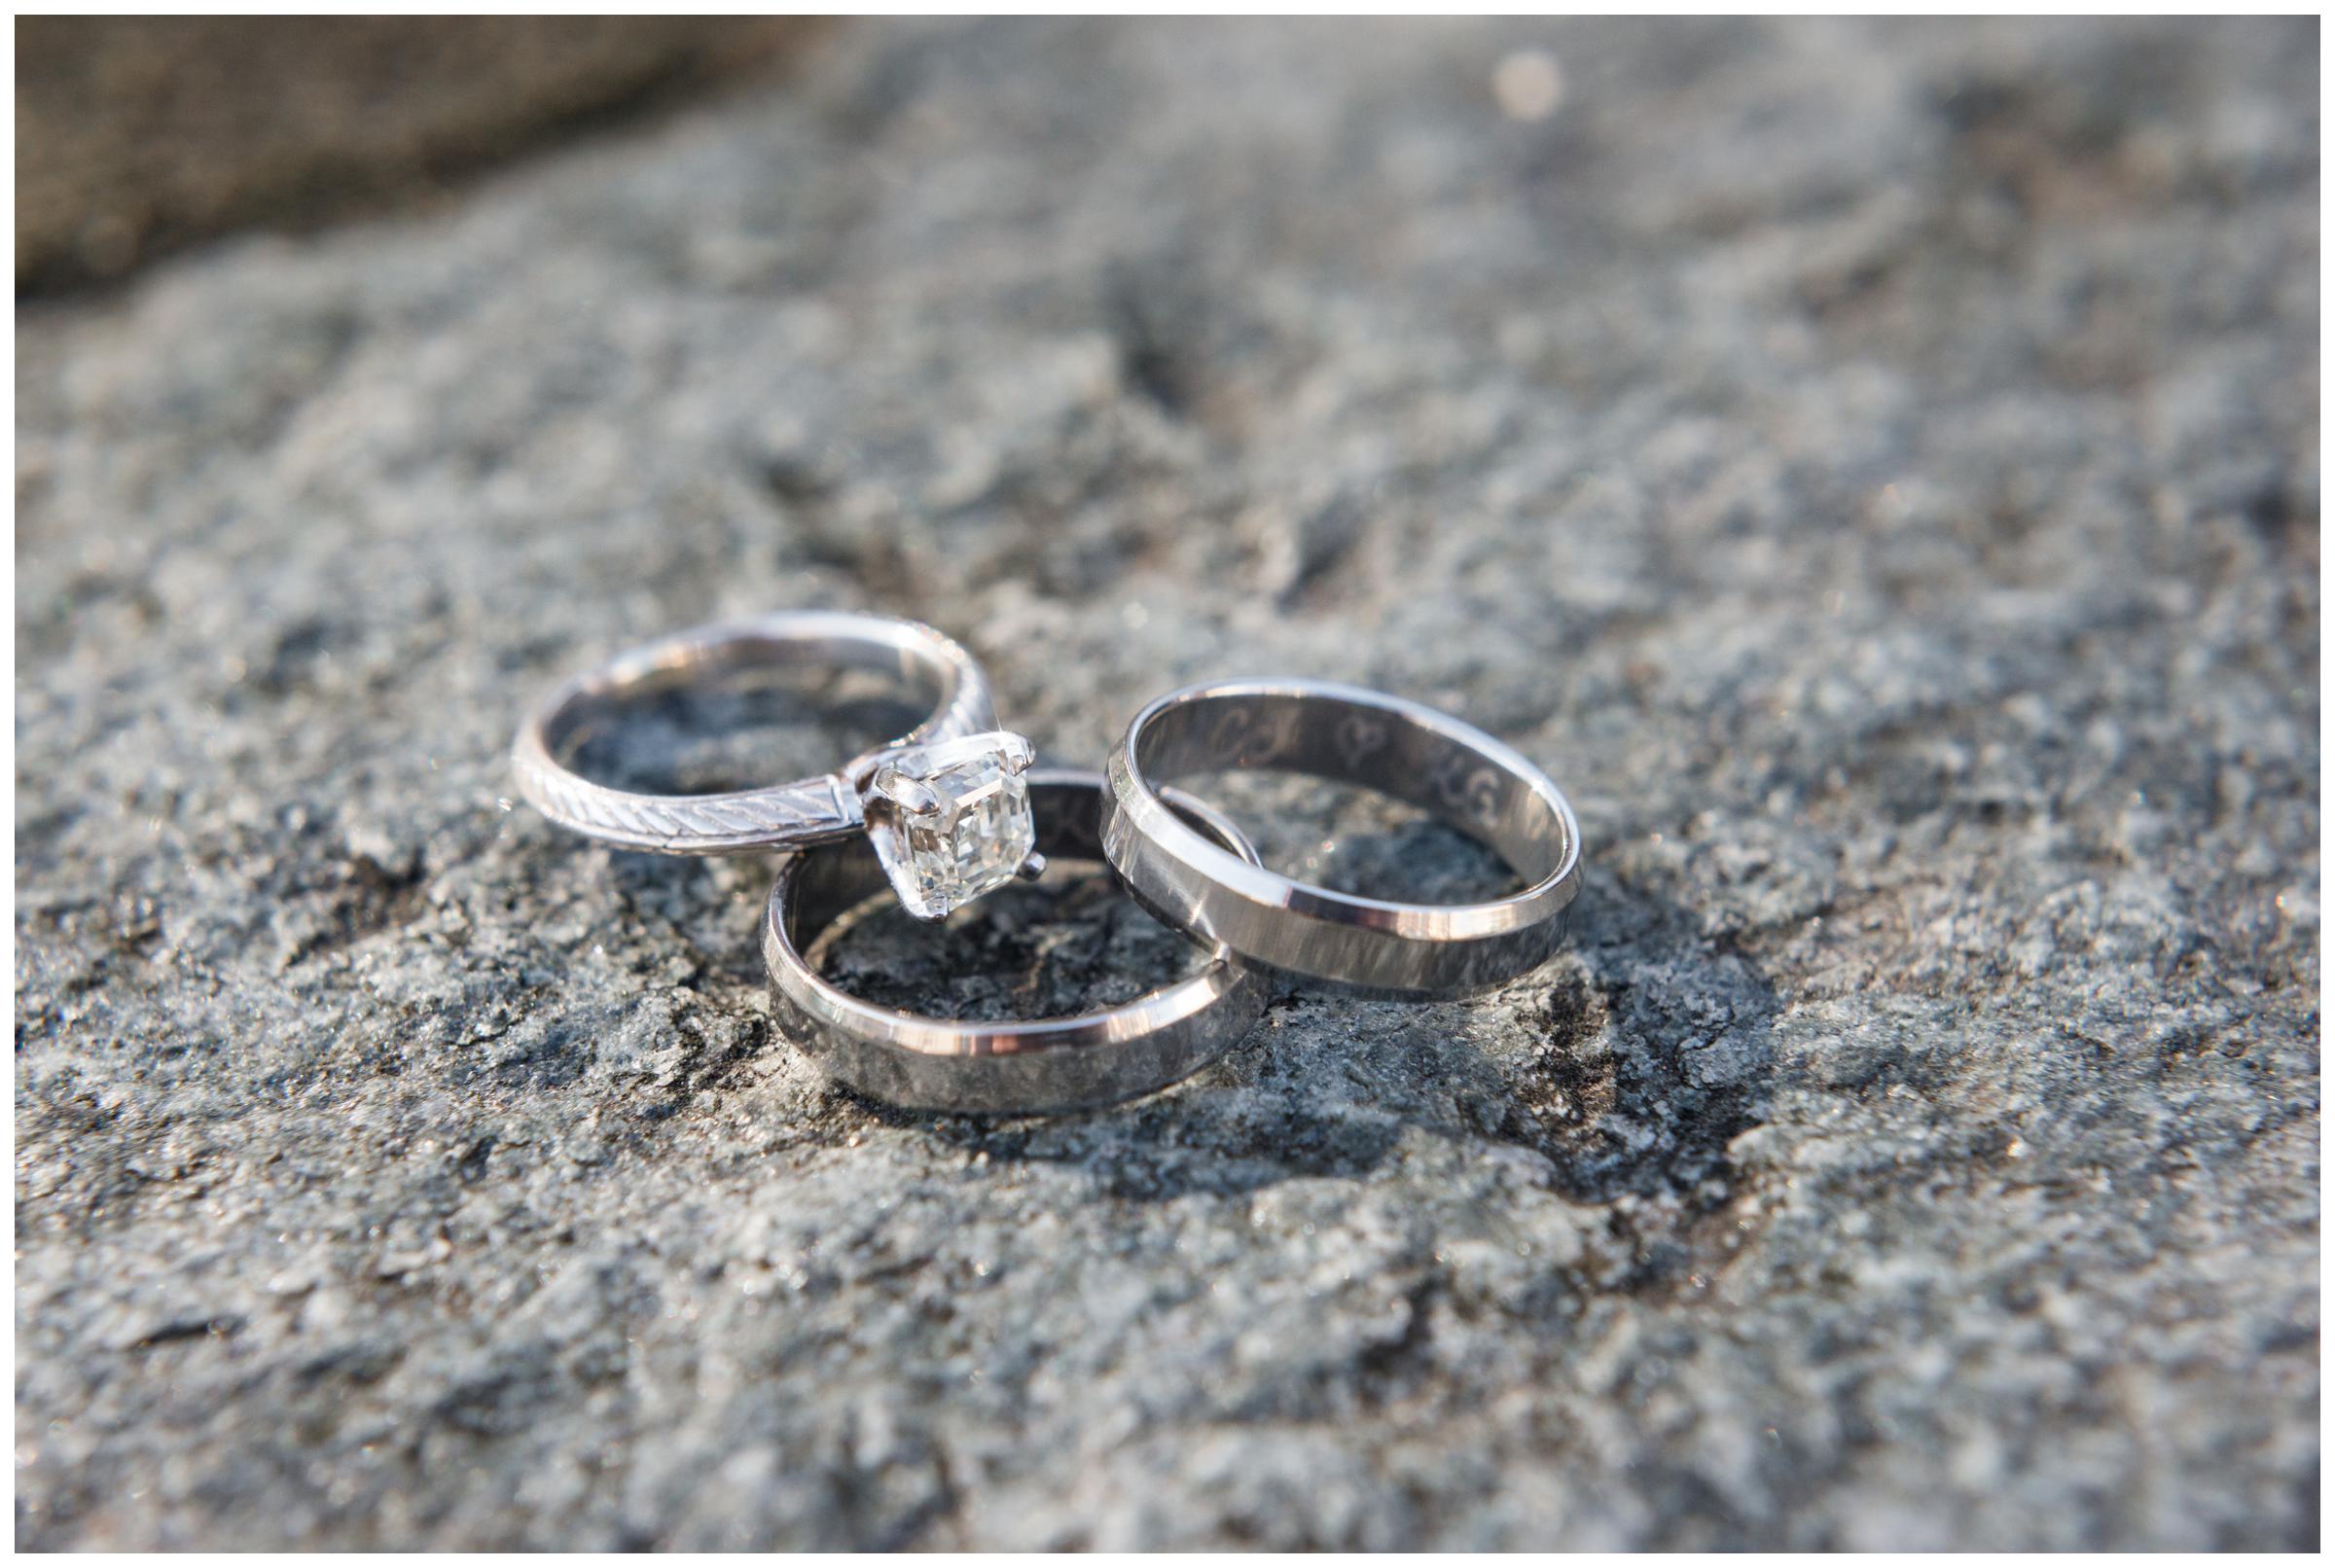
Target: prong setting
x: 908, y: 793
x: 951, y: 820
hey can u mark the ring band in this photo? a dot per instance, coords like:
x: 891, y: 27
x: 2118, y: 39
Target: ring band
x: 1353, y: 735
x: 1040, y: 1064
x: 943, y: 803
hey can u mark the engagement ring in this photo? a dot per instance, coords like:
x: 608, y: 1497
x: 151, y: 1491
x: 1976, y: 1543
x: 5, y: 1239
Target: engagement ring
x: 946, y: 806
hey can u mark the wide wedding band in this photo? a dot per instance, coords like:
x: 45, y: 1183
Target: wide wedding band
x: 943, y: 803
x: 1033, y: 1065
x: 1353, y: 735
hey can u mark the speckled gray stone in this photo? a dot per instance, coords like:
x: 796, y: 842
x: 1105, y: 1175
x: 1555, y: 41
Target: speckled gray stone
x: 1875, y: 468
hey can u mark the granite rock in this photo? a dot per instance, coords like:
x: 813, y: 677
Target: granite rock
x: 1874, y: 467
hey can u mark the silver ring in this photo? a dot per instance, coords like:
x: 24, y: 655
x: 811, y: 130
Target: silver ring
x: 1041, y: 1064
x: 944, y: 803
x: 1355, y: 735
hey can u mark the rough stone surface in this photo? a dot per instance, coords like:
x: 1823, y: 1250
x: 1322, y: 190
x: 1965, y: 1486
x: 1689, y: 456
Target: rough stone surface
x: 1875, y: 468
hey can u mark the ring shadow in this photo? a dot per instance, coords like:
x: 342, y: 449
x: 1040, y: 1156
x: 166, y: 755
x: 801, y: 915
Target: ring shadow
x: 1628, y: 1062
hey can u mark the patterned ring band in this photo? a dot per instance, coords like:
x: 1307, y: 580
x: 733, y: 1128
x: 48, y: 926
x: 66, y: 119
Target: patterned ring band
x: 945, y: 805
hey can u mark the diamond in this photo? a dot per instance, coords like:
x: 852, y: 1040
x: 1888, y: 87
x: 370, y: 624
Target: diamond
x: 951, y: 820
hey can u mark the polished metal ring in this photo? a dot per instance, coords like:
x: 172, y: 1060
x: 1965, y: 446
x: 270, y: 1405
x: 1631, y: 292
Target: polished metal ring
x: 943, y: 805
x: 1353, y: 735
x: 1040, y: 1064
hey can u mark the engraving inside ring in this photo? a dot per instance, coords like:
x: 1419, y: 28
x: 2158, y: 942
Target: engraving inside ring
x: 1356, y: 840
x: 1354, y: 800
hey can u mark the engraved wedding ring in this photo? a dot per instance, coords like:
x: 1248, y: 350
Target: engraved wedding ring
x: 1353, y: 735
x: 954, y: 810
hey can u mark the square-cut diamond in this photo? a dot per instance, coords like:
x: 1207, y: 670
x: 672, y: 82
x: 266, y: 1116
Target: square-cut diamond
x: 952, y: 821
